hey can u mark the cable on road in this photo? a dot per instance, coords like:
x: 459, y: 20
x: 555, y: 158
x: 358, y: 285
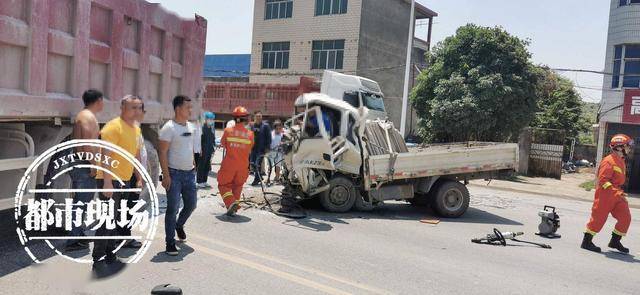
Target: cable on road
x: 268, y: 206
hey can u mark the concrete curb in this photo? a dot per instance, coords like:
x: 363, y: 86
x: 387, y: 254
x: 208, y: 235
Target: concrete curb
x: 566, y: 197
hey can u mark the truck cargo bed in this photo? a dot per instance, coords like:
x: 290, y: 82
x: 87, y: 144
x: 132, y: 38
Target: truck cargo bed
x: 444, y: 159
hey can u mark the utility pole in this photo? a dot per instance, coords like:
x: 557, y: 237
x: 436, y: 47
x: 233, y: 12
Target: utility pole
x: 405, y: 94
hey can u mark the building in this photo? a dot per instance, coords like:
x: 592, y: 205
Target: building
x: 620, y: 106
x: 226, y: 67
x: 292, y: 38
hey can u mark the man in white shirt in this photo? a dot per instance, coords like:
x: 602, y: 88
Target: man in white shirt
x: 176, y: 143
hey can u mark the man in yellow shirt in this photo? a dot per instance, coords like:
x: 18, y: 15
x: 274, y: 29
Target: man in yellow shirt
x: 123, y: 132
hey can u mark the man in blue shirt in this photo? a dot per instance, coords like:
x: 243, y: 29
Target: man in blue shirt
x: 262, y: 136
x: 208, y: 143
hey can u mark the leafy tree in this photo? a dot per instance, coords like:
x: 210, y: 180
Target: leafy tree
x: 560, y: 106
x: 480, y: 85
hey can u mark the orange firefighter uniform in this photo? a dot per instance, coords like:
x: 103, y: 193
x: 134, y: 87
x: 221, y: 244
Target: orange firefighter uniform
x: 610, y: 197
x: 234, y: 170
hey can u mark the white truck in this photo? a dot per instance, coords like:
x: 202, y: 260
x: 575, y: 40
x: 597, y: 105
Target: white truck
x: 356, y: 91
x: 334, y: 152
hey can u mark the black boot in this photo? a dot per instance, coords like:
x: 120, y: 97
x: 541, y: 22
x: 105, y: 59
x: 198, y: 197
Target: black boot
x: 587, y: 244
x: 615, y: 243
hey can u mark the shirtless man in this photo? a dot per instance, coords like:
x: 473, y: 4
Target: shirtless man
x: 85, y: 127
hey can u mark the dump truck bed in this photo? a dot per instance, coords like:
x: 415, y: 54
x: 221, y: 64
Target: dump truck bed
x: 444, y: 159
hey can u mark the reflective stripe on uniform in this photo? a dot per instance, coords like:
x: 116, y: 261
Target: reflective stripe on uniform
x: 239, y: 140
x: 615, y: 231
x: 588, y: 231
x: 607, y: 185
x: 617, y: 169
x: 227, y: 195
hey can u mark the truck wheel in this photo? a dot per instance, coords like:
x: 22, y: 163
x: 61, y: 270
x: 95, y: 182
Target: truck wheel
x: 340, y: 196
x: 451, y: 199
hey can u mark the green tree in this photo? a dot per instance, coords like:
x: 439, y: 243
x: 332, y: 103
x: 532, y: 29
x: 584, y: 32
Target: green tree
x: 480, y: 85
x: 560, y: 106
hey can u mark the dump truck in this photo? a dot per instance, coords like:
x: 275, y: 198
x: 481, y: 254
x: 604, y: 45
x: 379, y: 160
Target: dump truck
x: 52, y: 51
x: 333, y: 152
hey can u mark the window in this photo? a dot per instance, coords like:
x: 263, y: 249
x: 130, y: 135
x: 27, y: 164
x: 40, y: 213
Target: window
x: 275, y: 55
x: 327, y: 7
x: 626, y: 60
x: 275, y: 9
x: 352, y: 98
x: 617, y: 61
x: 629, y: 2
x: 373, y: 101
x: 327, y: 54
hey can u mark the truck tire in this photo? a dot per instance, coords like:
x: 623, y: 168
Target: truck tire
x: 451, y: 199
x: 340, y: 197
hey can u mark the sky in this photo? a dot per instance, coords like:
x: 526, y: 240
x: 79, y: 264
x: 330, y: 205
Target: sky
x: 563, y: 33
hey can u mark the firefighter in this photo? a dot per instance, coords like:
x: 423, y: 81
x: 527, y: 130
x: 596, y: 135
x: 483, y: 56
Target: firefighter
x: 234, y: 170
x: 610, y: 197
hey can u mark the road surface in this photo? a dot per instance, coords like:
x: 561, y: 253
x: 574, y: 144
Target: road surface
x: 387, y: 251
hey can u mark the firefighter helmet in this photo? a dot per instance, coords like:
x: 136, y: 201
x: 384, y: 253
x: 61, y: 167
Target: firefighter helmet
x: 240, y: 111
x: 620, y: 140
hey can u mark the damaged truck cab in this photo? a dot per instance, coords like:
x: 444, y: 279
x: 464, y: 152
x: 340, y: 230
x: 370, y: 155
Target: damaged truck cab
x: 334, y: 152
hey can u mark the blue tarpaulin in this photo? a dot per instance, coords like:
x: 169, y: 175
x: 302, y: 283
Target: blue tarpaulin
x: 227, y: 65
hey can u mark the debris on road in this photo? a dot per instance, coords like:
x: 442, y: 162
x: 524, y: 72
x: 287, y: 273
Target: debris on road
x: 430, y: 221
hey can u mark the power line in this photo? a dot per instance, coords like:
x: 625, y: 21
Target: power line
x: 302, y: 73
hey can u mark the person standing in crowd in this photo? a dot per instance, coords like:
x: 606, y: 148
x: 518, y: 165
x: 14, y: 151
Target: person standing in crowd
x: 133, y: 197
x: 234, y: 170
x: 176, y: 141
x: 275, y: 155
x: 262, y: 134
x: 197, y: 146
x: 123, y: 132
x: 85, y: 127
x: 208, y: 144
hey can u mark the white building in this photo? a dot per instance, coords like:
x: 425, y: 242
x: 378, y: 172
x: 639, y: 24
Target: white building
x: 620, y: 106
x: 293, y: 38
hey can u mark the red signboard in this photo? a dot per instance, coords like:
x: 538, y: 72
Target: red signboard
x: 631, y: 108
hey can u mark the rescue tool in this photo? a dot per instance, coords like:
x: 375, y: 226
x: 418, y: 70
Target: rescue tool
x: 500, y: 238
x: 549, y: 224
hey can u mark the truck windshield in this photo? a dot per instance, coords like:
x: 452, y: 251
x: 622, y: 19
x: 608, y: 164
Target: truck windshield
x: 373, y: 101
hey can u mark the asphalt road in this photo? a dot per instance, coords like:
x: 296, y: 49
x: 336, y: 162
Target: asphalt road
x: 387, y: 251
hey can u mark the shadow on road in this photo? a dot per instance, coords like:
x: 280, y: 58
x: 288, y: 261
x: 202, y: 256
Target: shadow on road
x: 234, y: 219
x: 13, y: 257
x: 161, y: 257
x: 474, y: 215
x: 309, y: 224
x: 108, y: 270
x: 620, y: 256
x: 396, y: 211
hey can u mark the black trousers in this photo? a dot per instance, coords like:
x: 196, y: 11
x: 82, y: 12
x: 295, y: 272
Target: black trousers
x: 204, y: 167
x: 196, y: 160
x: 105, y: 247
x: 131, y: 198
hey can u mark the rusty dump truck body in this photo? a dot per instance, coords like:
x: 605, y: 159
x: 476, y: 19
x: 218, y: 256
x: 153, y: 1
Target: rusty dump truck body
x: 52, y: 51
